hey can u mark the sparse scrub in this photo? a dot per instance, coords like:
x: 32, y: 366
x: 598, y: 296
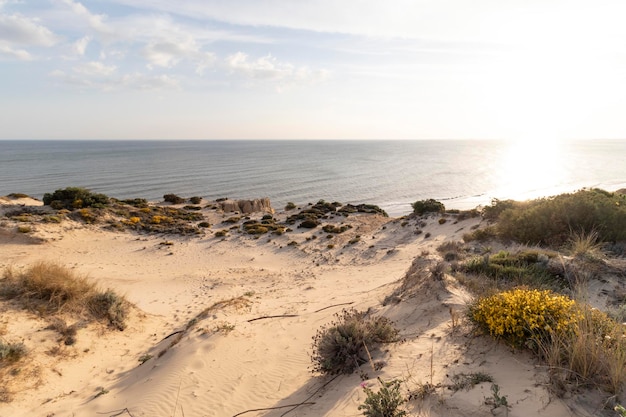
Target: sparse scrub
x: 11, y: 352
x: 50, y: 288
x: 339, y: 347
x: 385, y: 402
x: 466, y: 382
x: 290, y: 206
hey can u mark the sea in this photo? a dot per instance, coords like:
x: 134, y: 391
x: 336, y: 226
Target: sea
x: 392, y: 174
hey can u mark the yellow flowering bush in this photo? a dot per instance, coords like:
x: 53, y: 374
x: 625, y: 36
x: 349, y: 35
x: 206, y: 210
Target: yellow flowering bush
x: 524, y: 314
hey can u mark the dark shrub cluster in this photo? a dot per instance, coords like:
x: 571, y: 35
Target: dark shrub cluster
x: 340, y: 347
x: 173, y: 198
x: 71, y: 198
x: 428, y: 206
x: 362, y: 208
x: 266, y: 225
x: 329, y: 228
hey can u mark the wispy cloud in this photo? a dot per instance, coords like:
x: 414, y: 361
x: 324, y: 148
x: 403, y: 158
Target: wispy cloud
x: 268, y: 68
x: 96, y: 76
x: 95, y: 68
x: 80, y: 46
x: 95, y: 21
x: 21, y: 30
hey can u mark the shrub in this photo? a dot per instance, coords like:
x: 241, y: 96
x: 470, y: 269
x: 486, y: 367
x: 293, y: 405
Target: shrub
x: 11, y: 352
x: 428, y: 206
x: 442, y: 220
x: 385, y: 402
x: 523, y: 315
x: 339, y: 347
x: 75, y: 197
x: 136, y: 202
x: 204, y: 224
x: 173, y: 198
x: 329, y: 228
x: 50, y: 288
x: 290, y: 206
x: 550, y: 221
x: 523, y: 267
x: 195, y: 200
x: 309, y: 223
x: 110, y: 306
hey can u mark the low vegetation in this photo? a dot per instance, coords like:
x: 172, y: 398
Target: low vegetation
x: 343, y: 345
x: 422, y: 207
x: 75, y: 198
x: 551, y: 221
x: 51, y: 289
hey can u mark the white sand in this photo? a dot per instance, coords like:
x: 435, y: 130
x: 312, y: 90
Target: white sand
x: 262, y: 363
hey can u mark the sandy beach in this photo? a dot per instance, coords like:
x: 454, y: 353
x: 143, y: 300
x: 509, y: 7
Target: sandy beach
x: 223, y: 326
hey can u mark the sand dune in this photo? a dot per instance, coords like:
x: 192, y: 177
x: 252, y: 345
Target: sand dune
x: 235, y: 357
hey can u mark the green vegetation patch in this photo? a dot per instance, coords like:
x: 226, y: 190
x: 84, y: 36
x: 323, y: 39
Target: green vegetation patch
x: 527, y: 267
x: 551, y: 221
x: 430, y: 205
x: 75, y: 198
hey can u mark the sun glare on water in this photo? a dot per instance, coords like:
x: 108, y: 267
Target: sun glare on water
x: 530, y: 168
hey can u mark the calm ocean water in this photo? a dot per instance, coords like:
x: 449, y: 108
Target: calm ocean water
x: 392, y: 174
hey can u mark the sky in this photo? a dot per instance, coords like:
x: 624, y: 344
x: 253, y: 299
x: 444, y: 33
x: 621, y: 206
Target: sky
x: 525, y: 70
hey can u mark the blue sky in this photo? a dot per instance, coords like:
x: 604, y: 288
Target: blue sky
x: 349, y: 69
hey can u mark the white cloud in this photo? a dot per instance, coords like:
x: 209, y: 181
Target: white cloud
x: 150, y: 82
x: 16, y: 29
x: 95, y: 68
x: 168, y: 54
x: 95, y: 21
x: 12, y: 53
x: 80, y: 46
x: 269, y: 68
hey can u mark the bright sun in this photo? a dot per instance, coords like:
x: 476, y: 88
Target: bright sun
x: 529, y: 168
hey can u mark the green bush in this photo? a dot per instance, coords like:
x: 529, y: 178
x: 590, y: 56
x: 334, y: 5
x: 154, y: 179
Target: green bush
x: 428, y: 206
x: 386, y: 402
x: 528, y: 267
x: 75, y: 198
x: 340, y: 347
x: 551, y: 221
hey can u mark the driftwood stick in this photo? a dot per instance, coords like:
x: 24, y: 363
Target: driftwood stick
x: 118, y: 412
x: 334, y: 305
x: 272, y: 317
x: 270, y: 408
x: 310, y: 396
x: 172, y: 334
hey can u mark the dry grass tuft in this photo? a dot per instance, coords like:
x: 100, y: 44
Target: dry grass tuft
x: 50, y: 288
